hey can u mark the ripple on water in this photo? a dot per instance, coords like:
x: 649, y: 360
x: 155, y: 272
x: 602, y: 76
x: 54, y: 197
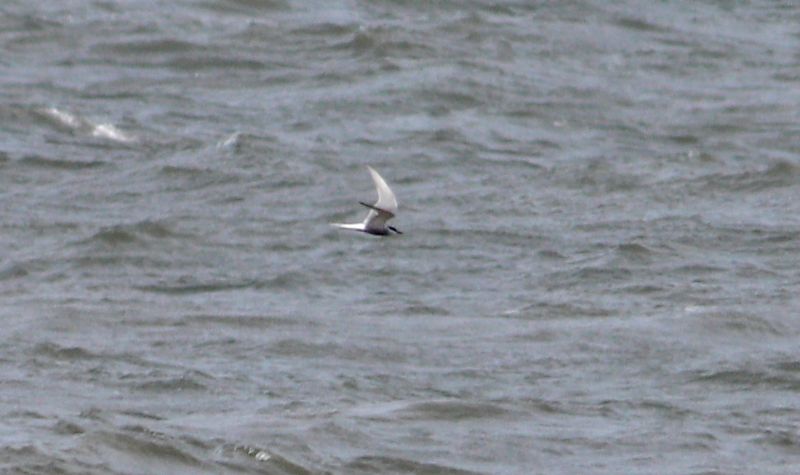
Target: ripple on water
x: 786, y: 440
x: 737, y: 323
x: 62, y: 353
x: 559, y: 310
x: 122, y: 235
x: 239, y: 321
x: 150, y: 451
x: 252, y: 458
x: 193, y: 285
x: 190, y: 381
x: 748, y: 379
x: 452, y: 410
x: 246, y: 7
x: 38, y: 161
x: 13, y: 271
x: 28, y: 458
x: 433, y: 410
x: 384, y: 464
x: 777, y: 175
x: 185, y: 287
x: 626, y: 188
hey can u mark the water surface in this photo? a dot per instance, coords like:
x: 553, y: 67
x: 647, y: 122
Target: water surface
x: 599, y: 271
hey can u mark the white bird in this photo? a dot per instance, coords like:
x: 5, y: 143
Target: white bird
x: 383, y: 210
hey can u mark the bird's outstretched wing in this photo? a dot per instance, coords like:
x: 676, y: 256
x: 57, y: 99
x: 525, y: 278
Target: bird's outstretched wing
x: 386, y: 199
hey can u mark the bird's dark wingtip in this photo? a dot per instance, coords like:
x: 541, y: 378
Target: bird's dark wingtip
x: 376, y: 208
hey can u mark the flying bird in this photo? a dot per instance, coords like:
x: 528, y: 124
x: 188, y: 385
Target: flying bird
x: 383, y: 210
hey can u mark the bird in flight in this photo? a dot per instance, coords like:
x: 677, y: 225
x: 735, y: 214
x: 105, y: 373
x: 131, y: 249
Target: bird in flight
x: 379, y: 213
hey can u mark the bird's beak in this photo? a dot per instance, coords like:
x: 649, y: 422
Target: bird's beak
x: 394, y: 229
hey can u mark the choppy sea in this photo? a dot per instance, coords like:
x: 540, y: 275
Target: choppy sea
x: 598, y: 274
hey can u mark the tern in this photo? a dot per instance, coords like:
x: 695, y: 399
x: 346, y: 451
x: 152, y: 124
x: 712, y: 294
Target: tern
x: 383, y: 210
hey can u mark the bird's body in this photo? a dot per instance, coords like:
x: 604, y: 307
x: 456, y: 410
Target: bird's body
x: 382, y: 211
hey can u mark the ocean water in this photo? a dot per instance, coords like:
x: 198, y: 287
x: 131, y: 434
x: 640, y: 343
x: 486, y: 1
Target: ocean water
x: 598, y: 274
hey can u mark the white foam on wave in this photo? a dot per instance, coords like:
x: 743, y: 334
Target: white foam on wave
x: 108, y: 131
x: 64, y: 118
x: 230, y: 141
x: 74, y: 122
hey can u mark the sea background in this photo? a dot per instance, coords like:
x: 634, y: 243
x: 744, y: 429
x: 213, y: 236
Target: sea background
x: 598, y: 274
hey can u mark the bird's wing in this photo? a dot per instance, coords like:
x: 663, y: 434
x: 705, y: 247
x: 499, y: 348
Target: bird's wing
x: 386, y: 200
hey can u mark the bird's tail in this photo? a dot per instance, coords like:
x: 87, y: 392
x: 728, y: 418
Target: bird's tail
x: 353, y: 227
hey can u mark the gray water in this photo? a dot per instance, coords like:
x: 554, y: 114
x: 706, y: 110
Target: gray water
x: 599, y: 271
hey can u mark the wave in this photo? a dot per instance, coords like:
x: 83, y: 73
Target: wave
x: 13, y: 271
x: 184, y: 382
x: 75, y: 123
x: 383, y: 43
x: 748, y: 379
x: 146, y: 449
x: 452, y: 410
x: 558, y: 310
x: 125, y: 234
x: 61, y: 353
x: 239, y: 321
x: 261, y: 459
x: 39, y: 161
x: 420, y: 308
x: 286, y: 280
x: 247, y: 7
x: 434, y: 410
x: 779, y: 174
x: 385, y: 464
x: 734, y: 322
x: 166, y: 45
x: 199, y: 287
